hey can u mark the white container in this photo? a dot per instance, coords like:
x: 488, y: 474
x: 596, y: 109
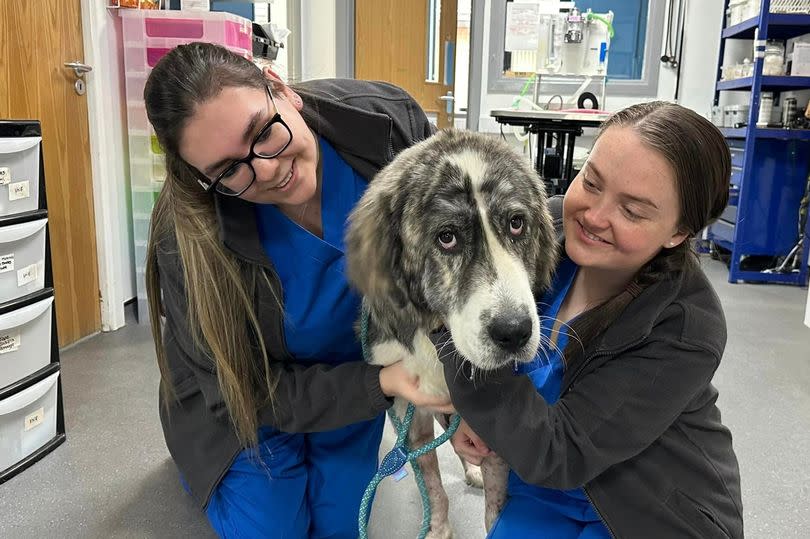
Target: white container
x: 22, y: 259
x: 25, y: 341
x: 765, y: 109
x: 800, y: 60
x: 27, y: 421
x: 773, y: 63
x: 752, y: 9
x: 737, y: 11
x: 734, y: 114
x: 195, y: 5
x: 19, y: 174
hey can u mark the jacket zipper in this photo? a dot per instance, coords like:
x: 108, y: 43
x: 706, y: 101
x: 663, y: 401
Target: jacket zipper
x: 598, y: 512
x: 604, y: 353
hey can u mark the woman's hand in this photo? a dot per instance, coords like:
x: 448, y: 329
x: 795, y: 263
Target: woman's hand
x: 468, y: 445
x: 396, y: 381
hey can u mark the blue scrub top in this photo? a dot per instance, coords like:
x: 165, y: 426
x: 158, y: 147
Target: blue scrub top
x: 546, y: 372
x: 320, y: 308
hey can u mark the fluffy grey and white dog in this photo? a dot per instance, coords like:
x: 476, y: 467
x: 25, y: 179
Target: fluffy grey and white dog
x: 454, y: 232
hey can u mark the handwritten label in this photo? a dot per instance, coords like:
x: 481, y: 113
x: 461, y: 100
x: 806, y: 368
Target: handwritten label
x: 18, y: 190
x: 5, y: 175
x: 7, y: 263
x: 9, y: 343
x: 35, y: 419
x: 27, y: 275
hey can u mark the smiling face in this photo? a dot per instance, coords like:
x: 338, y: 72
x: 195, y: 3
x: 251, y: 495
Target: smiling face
x: 223, y: 128
x: 623, y: 207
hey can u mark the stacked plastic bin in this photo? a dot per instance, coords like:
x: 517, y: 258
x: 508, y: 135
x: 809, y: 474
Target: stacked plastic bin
x: 31, y: 419
x: 147, y: 36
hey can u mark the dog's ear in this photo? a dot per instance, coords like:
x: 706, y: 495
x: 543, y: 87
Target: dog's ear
x: 374, y: 246
x: 548, y: 246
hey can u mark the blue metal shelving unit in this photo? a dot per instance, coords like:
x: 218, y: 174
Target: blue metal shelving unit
x: 769, y: 166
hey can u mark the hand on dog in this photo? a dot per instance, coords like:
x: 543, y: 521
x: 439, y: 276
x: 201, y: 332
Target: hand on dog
x: 468, y: 445
x: 397, y: 381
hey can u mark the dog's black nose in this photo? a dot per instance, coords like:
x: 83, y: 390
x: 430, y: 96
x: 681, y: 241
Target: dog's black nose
x: 510, y: 332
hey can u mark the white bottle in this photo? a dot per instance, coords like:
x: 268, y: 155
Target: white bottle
x: 765, y: 109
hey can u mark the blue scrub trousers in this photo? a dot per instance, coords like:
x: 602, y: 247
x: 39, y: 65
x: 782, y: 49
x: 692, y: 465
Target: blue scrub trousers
x: 528, y: 516
x: 302, y: 485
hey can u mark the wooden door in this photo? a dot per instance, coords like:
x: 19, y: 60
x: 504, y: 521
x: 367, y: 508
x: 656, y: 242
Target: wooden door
x: 36, y: 38
x: 400, y: 42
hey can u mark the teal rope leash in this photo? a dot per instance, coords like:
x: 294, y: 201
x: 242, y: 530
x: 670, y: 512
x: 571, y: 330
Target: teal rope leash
x: 400, y: 455
x: 395, y: 460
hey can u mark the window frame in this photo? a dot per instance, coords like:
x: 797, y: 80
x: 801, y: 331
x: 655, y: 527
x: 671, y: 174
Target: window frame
x: 646, y: 86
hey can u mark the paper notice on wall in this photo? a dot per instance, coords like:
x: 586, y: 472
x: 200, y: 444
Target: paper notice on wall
x: 5, y: 175
x: 27, y: 275
x: 7, y: 263
x: 522, y: 22
x: 9, y: 342
x: 18, y: 190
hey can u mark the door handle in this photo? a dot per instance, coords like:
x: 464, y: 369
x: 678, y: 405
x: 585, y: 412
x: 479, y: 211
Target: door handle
x: 79, y: 68
x: 449, y: 101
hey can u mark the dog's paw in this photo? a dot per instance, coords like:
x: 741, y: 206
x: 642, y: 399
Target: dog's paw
x: 441, y: 532
x: 474, y: 476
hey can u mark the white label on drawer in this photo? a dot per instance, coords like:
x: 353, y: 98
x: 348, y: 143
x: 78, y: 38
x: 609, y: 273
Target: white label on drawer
x: 18, y: 190
x: 9, y: 342
x: 27, y: 275
x: 35, y: 419
x: 7, y: 263
x: 5, y: 175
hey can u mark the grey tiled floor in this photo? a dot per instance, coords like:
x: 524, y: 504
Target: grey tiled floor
x: 113, y: 476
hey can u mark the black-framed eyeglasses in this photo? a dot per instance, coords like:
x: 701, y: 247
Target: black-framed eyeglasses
x: 269, y: 143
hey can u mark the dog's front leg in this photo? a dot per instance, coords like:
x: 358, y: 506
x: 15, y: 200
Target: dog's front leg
x: 420, y: 434
x: 495, y: 472
x: 472, y: 473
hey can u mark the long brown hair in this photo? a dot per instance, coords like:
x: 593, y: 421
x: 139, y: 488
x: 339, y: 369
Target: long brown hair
x: 219, y: 290
x: 699, y: 158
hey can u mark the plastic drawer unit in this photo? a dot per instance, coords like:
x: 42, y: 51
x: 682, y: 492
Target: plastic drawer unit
x: 25, y: 340
x: 27, y: 421
x: 22, y: 259
x: 148, y: 36
x: 19, y: 175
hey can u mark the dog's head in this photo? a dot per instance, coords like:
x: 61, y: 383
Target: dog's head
x: 455, y: 230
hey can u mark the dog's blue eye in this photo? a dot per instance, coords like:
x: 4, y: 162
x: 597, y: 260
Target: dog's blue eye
x: 447, y: 240
x: 516, y: 225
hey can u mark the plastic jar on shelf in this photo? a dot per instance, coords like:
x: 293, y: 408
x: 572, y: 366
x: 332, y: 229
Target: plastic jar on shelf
x: 737, y: 10
x: 773, y: 64
x: 765, y: 109
x: 747, y: 69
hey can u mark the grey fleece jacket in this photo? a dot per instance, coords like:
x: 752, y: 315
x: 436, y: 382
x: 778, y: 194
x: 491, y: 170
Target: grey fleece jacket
x: 636, y: 424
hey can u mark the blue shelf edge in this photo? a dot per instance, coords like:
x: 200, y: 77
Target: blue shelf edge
x: 780, y: 25
x: 769, y: 133
x: 772, y: 83
x: 740, y: 30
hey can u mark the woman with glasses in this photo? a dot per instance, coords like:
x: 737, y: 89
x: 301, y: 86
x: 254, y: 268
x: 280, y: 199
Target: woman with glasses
x: 268, y: 410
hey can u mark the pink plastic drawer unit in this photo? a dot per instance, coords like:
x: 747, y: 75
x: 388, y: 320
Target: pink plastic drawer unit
x: 142, y: 26
x: 141, y: 59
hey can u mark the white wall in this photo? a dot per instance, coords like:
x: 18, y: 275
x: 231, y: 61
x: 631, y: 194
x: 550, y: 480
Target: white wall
x: 109, y: 159
x: 318, y: 39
